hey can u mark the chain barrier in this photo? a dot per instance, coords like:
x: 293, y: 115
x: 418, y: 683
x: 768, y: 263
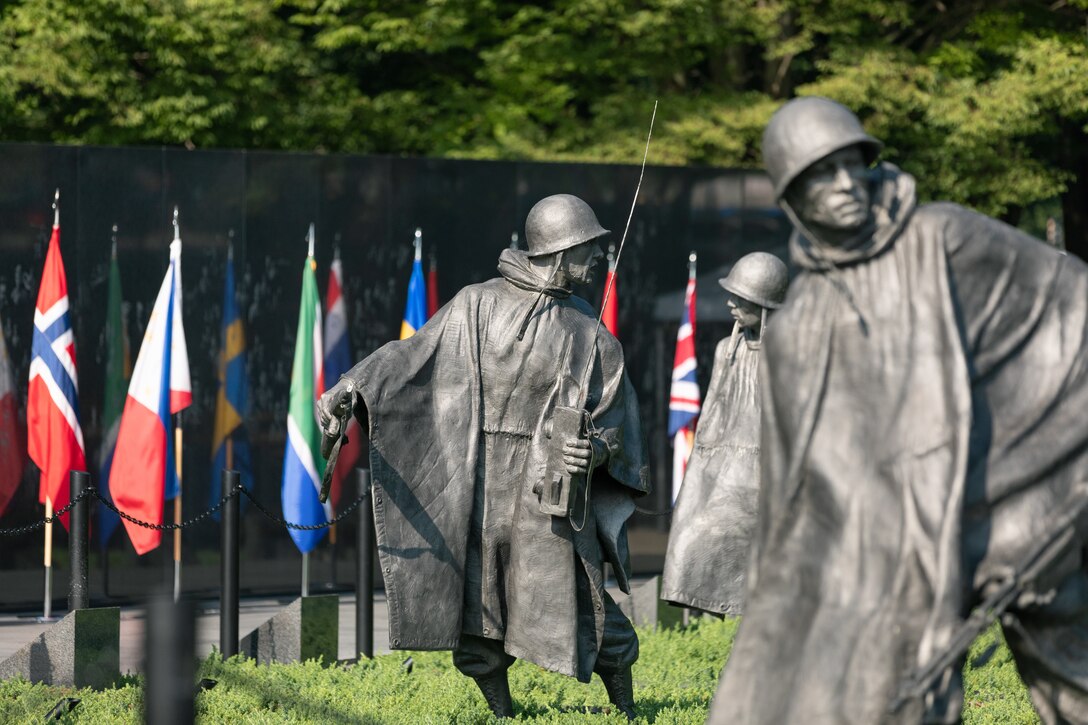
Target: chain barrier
x: 303, y: 527
x: 91, y: 490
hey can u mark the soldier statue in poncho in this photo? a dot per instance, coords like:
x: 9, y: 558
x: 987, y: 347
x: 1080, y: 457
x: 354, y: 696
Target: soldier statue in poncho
x: 463, y: 450
x: 924, y: 427
x: 716, y: 510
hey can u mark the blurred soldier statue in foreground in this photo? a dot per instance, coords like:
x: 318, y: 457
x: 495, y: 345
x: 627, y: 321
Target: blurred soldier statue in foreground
x: 923, y: 430
x: 491, y: 537
x: 716, y: 509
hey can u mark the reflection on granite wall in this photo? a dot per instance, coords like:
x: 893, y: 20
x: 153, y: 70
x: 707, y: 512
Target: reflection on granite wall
x: 368, y: 206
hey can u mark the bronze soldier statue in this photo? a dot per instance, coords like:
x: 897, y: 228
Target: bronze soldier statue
x: 716, y: 510
x: 481, y: 551
x: 923, y: 427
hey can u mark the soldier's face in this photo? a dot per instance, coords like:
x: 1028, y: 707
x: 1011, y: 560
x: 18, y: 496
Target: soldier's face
x: 834, y: 192
x: 582, y: 261
x: 746, y: 312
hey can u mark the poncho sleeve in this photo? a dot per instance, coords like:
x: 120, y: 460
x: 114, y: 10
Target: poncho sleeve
x: 423, y: 405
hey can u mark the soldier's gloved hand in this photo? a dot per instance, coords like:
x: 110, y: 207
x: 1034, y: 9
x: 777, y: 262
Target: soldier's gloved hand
x: 335, y: 404
x: 577, y: 451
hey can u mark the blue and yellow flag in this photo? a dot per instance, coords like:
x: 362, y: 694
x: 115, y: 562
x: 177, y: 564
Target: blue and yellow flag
x: 415, y: 312
x: 230, y: 444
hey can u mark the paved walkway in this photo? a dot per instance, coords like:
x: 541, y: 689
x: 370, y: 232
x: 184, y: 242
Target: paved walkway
x: 16, y: 630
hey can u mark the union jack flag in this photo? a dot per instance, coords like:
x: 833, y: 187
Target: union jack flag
x: 684, y: 395
x: 54, y: 438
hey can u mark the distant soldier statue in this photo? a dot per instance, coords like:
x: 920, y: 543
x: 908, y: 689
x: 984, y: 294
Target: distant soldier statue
x: 463, y: 435
x: 716, y: 509
x: 924, y: 430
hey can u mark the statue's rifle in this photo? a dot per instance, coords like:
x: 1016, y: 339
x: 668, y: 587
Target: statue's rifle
x: 1008, y: 590
x: 559, y: 488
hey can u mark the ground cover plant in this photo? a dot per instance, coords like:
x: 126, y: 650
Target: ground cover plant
x: 674, y: 680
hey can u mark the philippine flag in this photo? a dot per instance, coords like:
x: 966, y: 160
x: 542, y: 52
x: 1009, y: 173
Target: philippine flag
x: 684, y: 396
x: 303, y: 465
x: 54, y: 438
x: 143, y: 473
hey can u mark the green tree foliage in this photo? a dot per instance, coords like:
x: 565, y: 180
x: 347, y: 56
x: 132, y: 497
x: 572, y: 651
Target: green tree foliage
x: 985, y: 101
x: 185, y: 72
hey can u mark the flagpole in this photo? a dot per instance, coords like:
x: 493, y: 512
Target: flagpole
x: 332, y: 528
x: 230, y: 440
x: 306, y: 555
x: 177, y: 509
x: 47, y: 608
x: 305, y: 573
x: 177, y: 466
x: 47, y: 605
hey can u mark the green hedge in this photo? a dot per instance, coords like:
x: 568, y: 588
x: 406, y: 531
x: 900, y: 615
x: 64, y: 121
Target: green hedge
x: 674, y: 680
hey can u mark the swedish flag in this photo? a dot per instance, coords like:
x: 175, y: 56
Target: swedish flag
x: 415, y: 312
x: 230, y: 444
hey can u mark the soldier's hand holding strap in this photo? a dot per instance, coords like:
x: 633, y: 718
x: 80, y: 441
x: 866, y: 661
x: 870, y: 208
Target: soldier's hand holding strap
x: 336, y: 404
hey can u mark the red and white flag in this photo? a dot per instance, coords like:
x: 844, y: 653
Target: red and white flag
x: 143, y: 473
x: 54, y: 438
x: 610, y: 312
x: 11, y: 449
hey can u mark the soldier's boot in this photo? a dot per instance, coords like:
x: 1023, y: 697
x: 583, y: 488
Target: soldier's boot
x: 496, y: 691
x: 620, y: 690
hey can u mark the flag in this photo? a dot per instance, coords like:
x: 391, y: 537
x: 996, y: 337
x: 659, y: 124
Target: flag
x: 118, y: 370
x: 609, y: 310
x: 303, y: 465
x: 54, y: 438
x: 143, y: 473
x: 337, y: 362
x: 231, y: 399
x: 684, y: 395
x: 11, y: 449
x: 432, y: 288
x: 415, y: 311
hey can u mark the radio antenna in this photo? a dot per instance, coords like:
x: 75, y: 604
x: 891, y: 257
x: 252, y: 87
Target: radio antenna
x: 582, y: 386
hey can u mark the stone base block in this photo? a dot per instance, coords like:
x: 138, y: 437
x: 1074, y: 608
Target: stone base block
x: 306, y: 629
x: 81, y: 650
x: 645, y: 608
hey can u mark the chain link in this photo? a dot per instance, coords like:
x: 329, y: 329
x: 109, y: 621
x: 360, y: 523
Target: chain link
x: 166, y: 527
x: 303, y: 527
x: 90, y: 491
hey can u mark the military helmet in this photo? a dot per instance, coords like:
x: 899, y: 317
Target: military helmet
x: 560, y: 222
x: 758, y: 277
x: 805, y: 130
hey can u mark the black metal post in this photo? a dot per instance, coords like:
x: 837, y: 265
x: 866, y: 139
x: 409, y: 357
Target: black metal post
x: 77, y: 541
x: 364, y: 567
x: 228, y: 568
x: 169, y: 661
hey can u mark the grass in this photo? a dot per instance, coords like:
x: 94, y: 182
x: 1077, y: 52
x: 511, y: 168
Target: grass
x: 675, y: 678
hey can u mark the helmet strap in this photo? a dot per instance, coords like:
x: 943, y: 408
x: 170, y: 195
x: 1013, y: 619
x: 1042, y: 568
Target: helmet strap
x: 543, y: 289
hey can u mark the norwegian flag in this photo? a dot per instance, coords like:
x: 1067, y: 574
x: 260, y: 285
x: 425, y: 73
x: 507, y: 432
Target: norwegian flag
x: 54, y: 438
x: 684, y: 395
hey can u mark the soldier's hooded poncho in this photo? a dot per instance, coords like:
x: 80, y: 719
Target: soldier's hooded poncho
x: 716, y: 509
x: 924, y: 427
x: 456, y: 414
